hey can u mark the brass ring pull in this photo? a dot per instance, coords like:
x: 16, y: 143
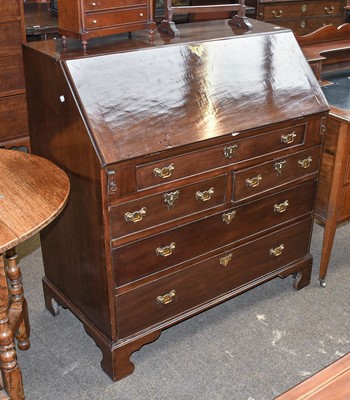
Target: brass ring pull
x: 253, y: 182
x: 164, y: 172
x: 225, y: 260
x: 229, y: 151
x: 135, y: 216
x: 229, y: 216
x: 206, y: 195
x: 288, y: 138
x: 165, y: 251
x: 277, y: 14
x: 305, y: 163
x: 277, y: 251
x: 279, y: 166
x: 281, y: 208
x: 329, y: 10
x: 171, y: 197
x: 167, y: 298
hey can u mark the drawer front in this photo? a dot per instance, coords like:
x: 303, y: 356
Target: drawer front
x: 177, y: 245
x: 153, y: 210
x: 13, y: 117
x: 252, y: 181
x: 10, y: 38
x: 9, y: 8
x: 302, y: 9
x: 11, y: 73
x: 108, y: 19
x: 307, y: 25
x: 170, y: 169
x: 166, y: 298
x: 99, y: 5
x: 344, y: 210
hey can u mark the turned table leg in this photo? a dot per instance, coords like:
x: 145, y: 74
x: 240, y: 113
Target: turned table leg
x: 10, y: 371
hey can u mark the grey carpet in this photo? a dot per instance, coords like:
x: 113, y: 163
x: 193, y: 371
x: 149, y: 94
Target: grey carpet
x: 252, y: 347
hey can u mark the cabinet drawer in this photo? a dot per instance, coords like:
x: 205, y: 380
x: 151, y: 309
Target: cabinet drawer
x: 11, y: 73
x: 203, y: 282
x: 107, y: 19
x: 11, y: 37
x: 13, y: 117
x: 9, y: 9
x: 252, y: 181
x: 177, y: 245
x: 99, y: 5
x: 170, y: 169
x: 308, y: 25
x: 163, y: 207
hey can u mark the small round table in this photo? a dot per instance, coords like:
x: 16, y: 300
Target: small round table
x: 33, y: 191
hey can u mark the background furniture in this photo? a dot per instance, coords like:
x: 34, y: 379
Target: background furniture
x: 33, y: 192
x: 301, y: 16
x: 14, y: 129
x: 328, y: 50
x: 182, y: 159
x: 40, y: 22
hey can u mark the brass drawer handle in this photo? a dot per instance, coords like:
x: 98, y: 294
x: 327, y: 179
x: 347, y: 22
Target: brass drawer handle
x: 171, y: 197
x: 93, y: 4
x: 94, y: 21
x: 329, y: 10
x: 167, y: 298
x: 277, y: 14
x: 253, y: 182
x: 229, y: 216
x: 141, y: 14
x: 288, y: 138
x: 225, y: 260
x: 277, y: 251
x: 164, y: 172
x: 206, y: 195
x: 166, y: 250
x: 281, y: 208
x: 135, y: 216
x: 279, y: 166
x: 229, y: 151
x: 305, y: 163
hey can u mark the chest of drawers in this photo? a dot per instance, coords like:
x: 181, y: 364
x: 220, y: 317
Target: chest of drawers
x: 85, y: 19
x: 302, y: 17
x: 14, y: 131
x: 192, y: 179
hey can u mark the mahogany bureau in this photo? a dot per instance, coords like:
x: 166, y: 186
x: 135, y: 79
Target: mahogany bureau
x: 193, y: 173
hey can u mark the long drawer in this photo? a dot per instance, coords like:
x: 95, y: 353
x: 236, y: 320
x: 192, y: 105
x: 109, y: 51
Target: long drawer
x: 11, y: 74
x: 13, y: 117
x: 170, y: 296
x: 161, y: 251
x: 112, y: 18
x: 101, y: 5
x: 11, y: 37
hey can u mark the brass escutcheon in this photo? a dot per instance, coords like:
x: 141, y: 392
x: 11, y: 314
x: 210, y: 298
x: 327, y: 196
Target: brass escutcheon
x: 329, y: 10
x: 280, y: 208
x: 167, y: 298
x: 164, y: 172
x: 166, y: 250
x: 277, y: 14
x: 288, y: 138
x: 225, y: 260
x: 135, y: 216
x: 206, y: 195
x: 171, y: 197
x: 303, y: 8
x: 305, y: 163
x: 253, y: 182
x: 302, y: 24
x: 277, y: 251
x: 229, y: 151
x: 229, y: 216
x: 279, y: 166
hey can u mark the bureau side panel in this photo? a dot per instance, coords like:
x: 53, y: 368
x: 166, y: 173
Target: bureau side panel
x: 73, y: 246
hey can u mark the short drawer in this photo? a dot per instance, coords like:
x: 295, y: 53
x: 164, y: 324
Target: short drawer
x: 152, y: 210
x: 13, y: 117
x: 170, y: 169
x: 192, y: 287
x: 10, y: 9
x: 108, y: 19
x: 99, y: 5
x: 11, y: 73
x: 11, y: 37
x: 161, y: 251
x: 252, y: 181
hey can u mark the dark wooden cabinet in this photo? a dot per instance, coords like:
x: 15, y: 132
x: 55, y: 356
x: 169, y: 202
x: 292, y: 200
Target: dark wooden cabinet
x: 14, y: 131
x: 193, y: 174
x: 302, y: 17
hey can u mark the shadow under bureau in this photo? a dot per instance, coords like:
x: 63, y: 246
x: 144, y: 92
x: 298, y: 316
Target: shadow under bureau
x: 193, y: 165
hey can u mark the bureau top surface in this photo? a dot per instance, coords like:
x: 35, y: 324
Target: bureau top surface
x: 143, y: 98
